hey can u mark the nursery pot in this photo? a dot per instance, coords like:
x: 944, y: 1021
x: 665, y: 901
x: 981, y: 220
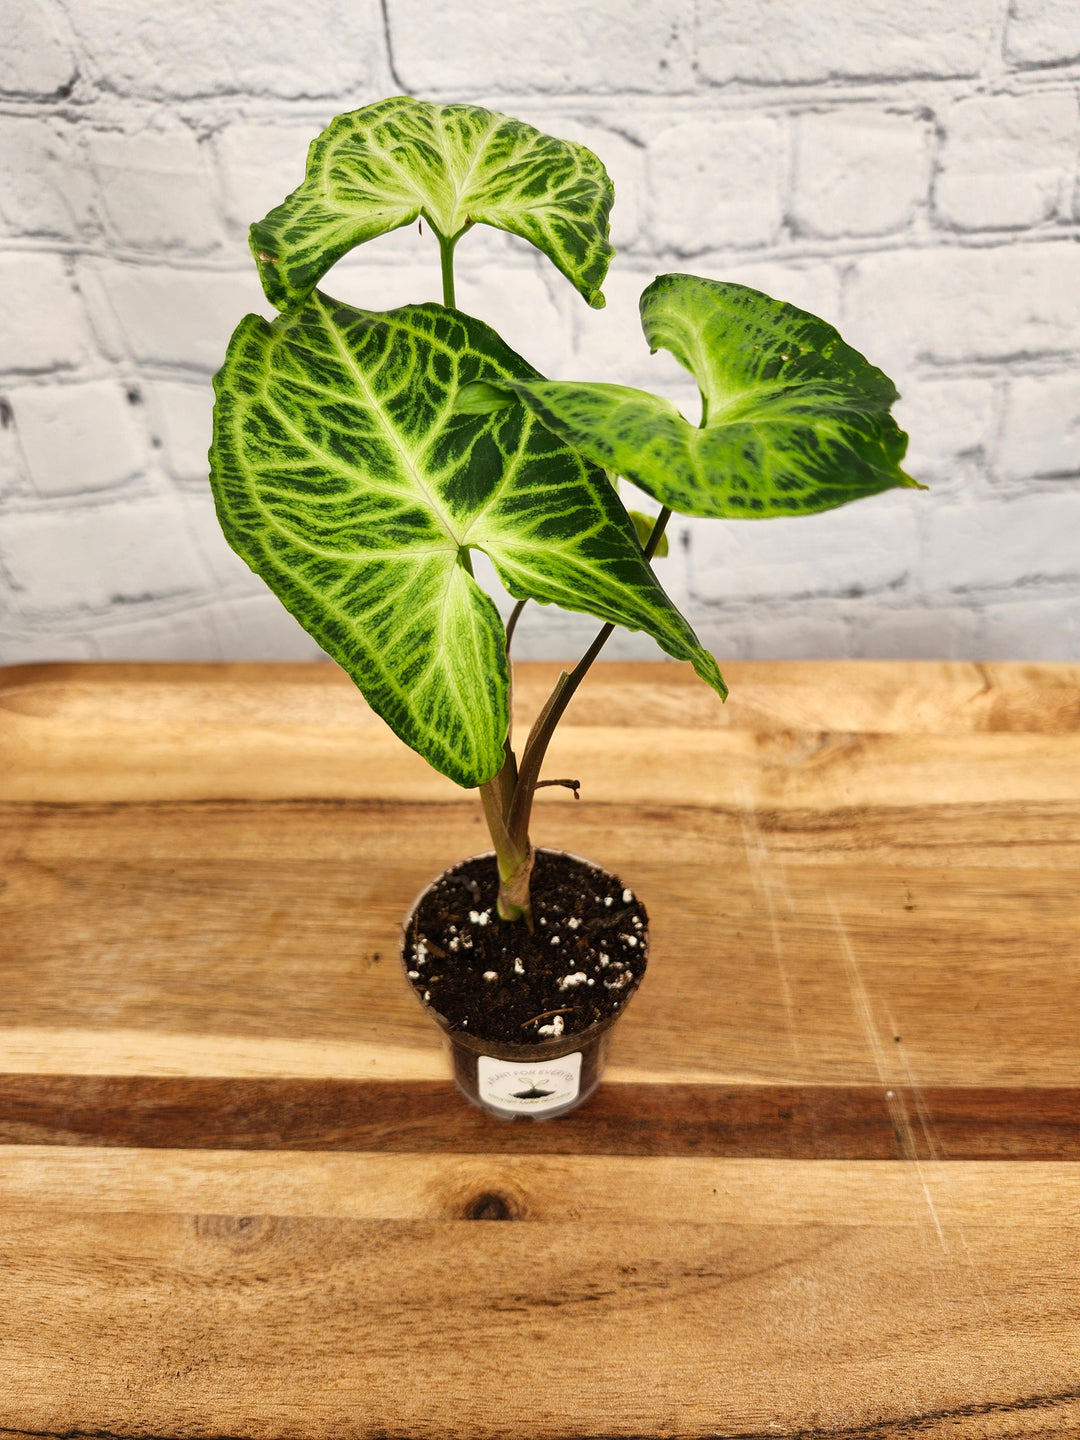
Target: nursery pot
x: 601, y: 955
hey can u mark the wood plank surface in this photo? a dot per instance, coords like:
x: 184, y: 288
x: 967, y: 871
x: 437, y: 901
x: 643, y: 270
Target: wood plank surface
x: 538, y: 1188
x: 267, y: 1324
x: 821, y: 732
x: 795, y: 1122
x: 812, y: 1298
x: 828, y: 1187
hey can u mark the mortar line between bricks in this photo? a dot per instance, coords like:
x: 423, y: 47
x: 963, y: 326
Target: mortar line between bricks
x: 813, y: 94
x: 824, y: 248
x: 108, y: 108
x: 999, y: 62
x: 388, y: 41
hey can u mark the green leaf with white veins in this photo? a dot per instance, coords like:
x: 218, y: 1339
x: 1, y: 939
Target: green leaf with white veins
x: 375, y: 169
x: 346, y: 478
x: 794, y: 420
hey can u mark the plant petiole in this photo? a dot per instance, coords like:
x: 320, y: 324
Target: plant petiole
x: 446, y: 256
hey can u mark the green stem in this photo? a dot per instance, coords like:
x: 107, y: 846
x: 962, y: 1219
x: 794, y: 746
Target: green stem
x: 515, y: 861
x: 544, y: 726
x: 446, y: 255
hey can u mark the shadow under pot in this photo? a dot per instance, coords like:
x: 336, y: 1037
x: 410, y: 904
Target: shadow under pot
x: 528, y: 1016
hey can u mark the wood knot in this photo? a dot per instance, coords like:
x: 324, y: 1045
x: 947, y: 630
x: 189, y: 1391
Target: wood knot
x: 490, y: 1205
x: 239, y: 1232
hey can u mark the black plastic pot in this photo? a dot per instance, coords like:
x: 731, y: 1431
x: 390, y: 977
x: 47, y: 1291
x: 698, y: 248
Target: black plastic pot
x: 538, y: 1081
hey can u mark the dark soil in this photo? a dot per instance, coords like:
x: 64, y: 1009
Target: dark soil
x: 493, y: 979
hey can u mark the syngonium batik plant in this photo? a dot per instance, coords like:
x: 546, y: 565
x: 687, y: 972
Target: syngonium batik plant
x: 360, y: 457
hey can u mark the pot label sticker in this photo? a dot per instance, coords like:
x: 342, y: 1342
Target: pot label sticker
x: 528, y: 1087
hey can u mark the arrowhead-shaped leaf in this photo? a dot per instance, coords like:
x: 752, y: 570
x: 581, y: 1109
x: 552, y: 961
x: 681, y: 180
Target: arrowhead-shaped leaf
x: 383, y: 166
x: 345, y: 477
x: 794, y: 420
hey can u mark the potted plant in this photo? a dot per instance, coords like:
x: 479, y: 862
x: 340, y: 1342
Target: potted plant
x: 359, y: 457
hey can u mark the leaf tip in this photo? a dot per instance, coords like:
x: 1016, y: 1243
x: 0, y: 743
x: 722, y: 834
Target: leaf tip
x: 706, y: 668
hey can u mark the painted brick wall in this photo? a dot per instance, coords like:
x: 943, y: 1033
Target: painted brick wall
x: 908, y: 171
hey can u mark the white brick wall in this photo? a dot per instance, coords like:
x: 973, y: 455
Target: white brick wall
x: 717, y: 183
x: 1040, y: 429
x: 858, y: 171
x: 1043, y: 32
x: 131, y: 551
x: 1009, y: 161
x: 548, y: 46
x: 34, y: 58
x: 909, y: 172
x: 45, y: 325
x: 787, y: 41
x: 77, y: 438
x: 44, y: 189
x: 156, y: 191
x: 190, y: 49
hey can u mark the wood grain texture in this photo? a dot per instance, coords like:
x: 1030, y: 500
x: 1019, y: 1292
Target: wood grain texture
x: 808, y: 733
x: 539, y: 1188
x: 829, y: 1187
x: 311, y: 1326
x: 796, y: 1122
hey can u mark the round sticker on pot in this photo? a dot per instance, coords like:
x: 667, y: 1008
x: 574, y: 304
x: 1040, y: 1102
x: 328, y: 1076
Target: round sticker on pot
x: 528, y: 1087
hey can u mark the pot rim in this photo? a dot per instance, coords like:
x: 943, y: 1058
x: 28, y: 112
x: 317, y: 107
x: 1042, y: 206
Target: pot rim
x: 553, y: 1049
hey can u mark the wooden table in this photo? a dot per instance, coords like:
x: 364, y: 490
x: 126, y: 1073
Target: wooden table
x: 828, y: 1188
